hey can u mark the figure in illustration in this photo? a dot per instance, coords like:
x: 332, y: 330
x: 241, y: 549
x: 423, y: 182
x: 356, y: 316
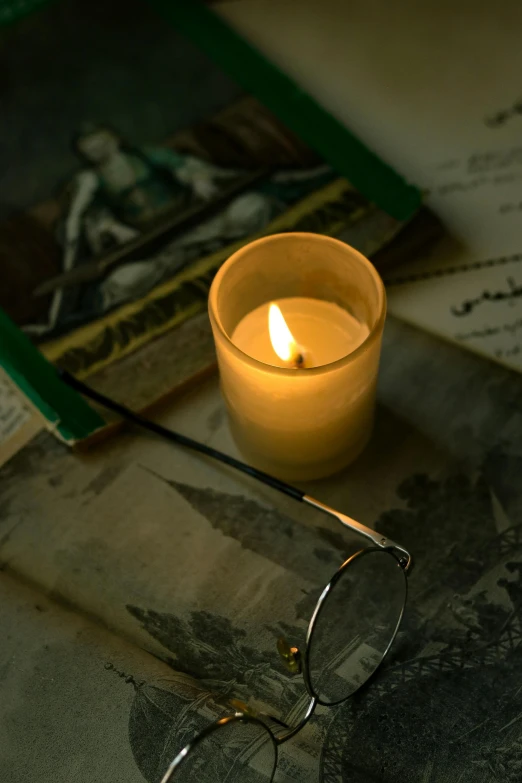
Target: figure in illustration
x: 123, y: 192
x: 210, y: 647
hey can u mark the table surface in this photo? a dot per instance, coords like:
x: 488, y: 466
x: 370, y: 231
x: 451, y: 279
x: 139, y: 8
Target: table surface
x: 138, y: 580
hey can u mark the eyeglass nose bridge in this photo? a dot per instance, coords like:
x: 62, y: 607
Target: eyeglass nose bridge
x: 290, y: 656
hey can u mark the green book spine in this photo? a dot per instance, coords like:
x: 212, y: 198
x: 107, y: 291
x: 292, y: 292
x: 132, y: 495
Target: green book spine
x: 66, y: 411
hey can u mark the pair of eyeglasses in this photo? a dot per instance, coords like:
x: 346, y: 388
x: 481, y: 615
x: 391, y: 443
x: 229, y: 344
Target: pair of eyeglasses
x: 352, y: 629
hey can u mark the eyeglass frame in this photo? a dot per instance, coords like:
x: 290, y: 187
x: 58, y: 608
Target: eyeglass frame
x: 379, y: 541
x: 299, y: 664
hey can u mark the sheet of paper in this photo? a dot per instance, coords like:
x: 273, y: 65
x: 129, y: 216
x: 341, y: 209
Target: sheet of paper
x: 479, y: 197
x: 19, y: 422
x: 470, y: 290
x: 477, y: 306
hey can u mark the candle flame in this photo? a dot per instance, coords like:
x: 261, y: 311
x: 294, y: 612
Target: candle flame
x: 282, y: 339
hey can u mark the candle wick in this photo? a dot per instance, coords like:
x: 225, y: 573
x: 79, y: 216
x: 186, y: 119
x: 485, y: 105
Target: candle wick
x: 299, y: 361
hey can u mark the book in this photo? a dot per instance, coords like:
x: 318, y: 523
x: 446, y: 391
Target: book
x: 114, y: 234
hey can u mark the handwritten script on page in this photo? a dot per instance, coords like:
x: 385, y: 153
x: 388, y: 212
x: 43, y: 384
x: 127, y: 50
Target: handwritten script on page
x: 469, y: 290
x: 478, y: 307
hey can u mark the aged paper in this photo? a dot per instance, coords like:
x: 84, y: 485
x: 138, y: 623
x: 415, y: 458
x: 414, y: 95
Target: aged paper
x: 204, y: 569
x: 470, y: 290
x: 477, y: 304
x: 19, y: 422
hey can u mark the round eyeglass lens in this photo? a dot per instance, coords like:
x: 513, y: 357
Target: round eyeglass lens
x: 354, y: 624
x: 235, y: 751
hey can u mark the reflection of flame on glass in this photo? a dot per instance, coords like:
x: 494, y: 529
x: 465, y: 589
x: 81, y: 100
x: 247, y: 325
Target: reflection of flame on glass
x: 283, y: 341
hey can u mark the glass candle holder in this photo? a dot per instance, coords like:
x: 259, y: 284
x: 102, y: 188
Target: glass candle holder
x: 312, y: 418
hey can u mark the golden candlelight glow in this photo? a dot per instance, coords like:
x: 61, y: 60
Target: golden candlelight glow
x: 282, y: 339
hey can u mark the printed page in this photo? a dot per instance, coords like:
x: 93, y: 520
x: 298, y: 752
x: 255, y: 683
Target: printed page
x: 206, y: 571
x: 19, y: 421
x: 80, y: 704
x: 477, y: 304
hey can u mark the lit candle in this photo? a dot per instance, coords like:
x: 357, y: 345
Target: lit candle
x: 325, y: 333
x: 297, y: 320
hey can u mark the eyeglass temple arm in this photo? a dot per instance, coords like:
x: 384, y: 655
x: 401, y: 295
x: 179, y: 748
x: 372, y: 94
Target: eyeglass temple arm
x: 176, y: 437
x: 405, y: 559
x: 202, y: 448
